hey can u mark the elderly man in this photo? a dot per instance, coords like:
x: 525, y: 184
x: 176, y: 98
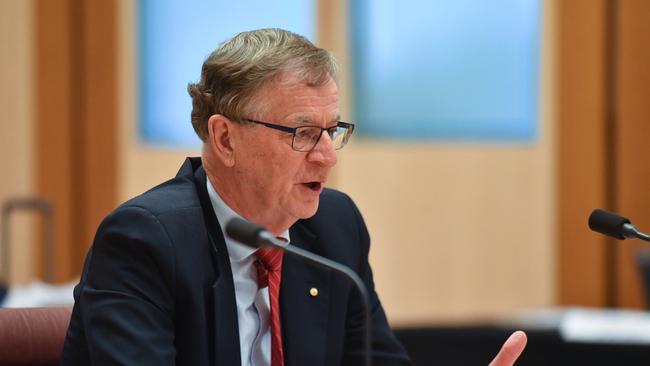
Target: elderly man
x: 163, y: 285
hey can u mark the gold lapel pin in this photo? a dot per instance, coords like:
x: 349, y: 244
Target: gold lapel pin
x: 313, y: 292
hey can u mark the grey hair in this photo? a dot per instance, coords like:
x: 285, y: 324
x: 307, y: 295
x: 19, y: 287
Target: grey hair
x: 234, y: 73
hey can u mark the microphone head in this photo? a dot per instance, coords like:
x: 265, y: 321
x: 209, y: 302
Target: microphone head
x: 245, y: 232
x: 608, y: 223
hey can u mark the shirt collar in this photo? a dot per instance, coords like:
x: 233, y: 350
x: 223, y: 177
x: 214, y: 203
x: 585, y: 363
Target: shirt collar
x: 236, y: 250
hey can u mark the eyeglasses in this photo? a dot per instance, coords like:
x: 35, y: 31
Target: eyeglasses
x: 305, y: 138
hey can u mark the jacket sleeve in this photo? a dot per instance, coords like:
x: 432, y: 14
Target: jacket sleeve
x: 126, y: 292
x: 386, y: 349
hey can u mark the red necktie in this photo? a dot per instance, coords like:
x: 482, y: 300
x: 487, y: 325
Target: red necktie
x: 269, y: 272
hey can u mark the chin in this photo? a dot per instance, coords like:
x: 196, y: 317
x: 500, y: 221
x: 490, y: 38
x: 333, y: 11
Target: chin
x: 306, y: 210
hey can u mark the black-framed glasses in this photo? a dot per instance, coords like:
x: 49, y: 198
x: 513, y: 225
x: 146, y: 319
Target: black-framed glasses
x: 305, y: 138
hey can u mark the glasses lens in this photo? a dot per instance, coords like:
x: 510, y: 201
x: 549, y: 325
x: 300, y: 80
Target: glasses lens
x: 306, y: 138
x: 341, y: 136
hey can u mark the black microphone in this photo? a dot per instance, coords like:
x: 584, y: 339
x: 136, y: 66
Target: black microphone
x: 614, y: 225
x: 256, y: 236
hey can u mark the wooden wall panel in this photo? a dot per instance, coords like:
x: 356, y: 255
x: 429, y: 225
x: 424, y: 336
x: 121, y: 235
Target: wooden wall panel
x: 54, y: 122
x: 76, y: 120
x: 99, y: 116
x: 582, y: 272
x: 604, y: 129
x: 633, y: 140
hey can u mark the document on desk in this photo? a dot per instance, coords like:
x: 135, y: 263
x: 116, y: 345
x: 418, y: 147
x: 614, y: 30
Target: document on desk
x: 605, y: 326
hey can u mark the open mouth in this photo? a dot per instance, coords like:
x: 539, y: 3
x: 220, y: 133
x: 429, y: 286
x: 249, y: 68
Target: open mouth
x: 314, y: 186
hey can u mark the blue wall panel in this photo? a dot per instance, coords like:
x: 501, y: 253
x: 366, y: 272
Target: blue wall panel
x: 462, y: 70
x: 174, y: 37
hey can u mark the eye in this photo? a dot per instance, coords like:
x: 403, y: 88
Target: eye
x: 305, y: 133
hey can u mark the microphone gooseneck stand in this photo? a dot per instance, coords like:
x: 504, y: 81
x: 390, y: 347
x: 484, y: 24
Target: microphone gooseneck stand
x: 256, y: 236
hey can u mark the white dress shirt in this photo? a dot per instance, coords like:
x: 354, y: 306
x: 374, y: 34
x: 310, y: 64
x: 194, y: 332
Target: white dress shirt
x: 252, y: 302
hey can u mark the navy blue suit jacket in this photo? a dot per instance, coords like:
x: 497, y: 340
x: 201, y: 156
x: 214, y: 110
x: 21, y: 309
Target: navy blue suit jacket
x: 157, y: 288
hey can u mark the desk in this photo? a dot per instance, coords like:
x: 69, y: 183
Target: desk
x: 477, y: 345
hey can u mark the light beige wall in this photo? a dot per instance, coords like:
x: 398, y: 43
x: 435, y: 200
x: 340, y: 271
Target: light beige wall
x: 16, y: 142
x: 458, y: 230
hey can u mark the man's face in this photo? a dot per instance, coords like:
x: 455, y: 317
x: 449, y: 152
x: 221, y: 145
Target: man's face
x: 278, y: 183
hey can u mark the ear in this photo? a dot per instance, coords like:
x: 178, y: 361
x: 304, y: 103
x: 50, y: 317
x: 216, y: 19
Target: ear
x: 220, y: 139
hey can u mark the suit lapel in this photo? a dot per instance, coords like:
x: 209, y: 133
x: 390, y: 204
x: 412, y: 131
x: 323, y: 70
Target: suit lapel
x: 304, y: 316
x: 225, y: 328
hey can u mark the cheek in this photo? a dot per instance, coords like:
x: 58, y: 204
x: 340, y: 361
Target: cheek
x: 284, y: 174
x: 270, y: 166
x: 268, y: 171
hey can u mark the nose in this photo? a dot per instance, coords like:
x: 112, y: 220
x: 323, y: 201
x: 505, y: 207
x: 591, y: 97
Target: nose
x: 324, y: 152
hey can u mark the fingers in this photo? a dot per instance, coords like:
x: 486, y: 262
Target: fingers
x: 510, y: 350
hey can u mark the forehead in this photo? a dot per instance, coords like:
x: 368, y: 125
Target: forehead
x: 286, y: 99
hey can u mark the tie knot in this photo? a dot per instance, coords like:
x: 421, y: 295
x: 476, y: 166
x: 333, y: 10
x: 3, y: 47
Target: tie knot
x: 271, y: 258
